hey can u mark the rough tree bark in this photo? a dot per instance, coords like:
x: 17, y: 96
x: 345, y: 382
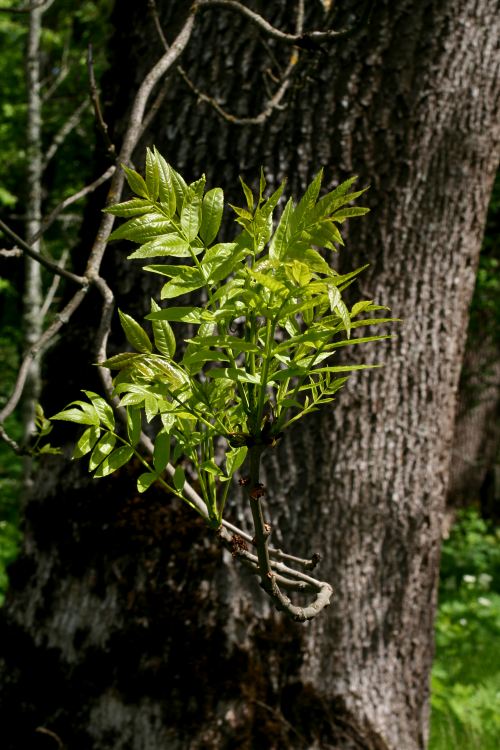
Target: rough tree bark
x: 152, y: 637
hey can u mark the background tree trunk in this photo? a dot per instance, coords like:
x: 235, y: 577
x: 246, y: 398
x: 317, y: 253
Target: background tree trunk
x: 152, y: 637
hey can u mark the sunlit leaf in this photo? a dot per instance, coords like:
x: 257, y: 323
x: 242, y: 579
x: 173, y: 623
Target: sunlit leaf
x: 212, y: 209
x: 114, y: 461
x: 135, y: 333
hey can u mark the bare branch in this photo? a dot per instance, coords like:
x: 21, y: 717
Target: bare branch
x: 60, y: 78
x: 76, y: 197
x: 96, y: 101
x: 14, y: 252
x: 133, y: 134
x: 63, y: 133
x: 50, y: 265
x: 271, y: 105
x: 51, y: 734
x: 11, y: 443
x: 49, y: 297
x: 153, y: 110
x: 60, y: 319
x: 306, y: 40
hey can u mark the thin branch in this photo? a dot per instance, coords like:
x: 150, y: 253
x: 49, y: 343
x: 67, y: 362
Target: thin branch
x: 154, y: 109
x: 59, y: 320
x: 49, y: 297
x: 132, y: 135
x: 96, y: 101
x: 59, y: 79
x: 50, y: 265
x: 64, y: 131
x: 299, y: 22
x: 271, y: 105
x: 12, y: 443
x: 306, y: 40
x: 51, y: 734
x: 49, y: 220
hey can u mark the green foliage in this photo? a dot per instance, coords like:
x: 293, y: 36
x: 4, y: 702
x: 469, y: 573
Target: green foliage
x: 466, y: 672
x: 260, y: 357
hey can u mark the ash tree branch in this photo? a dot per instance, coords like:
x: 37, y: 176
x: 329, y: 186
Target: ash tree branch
x: 70, y: 124
x: 59, y: 320
x: 96, y: 102
x: 49, y: 298
x: 274, y: 101
x: 49, y: 264
x: 272, y: 573
x: 13, y: 252
x: 307, y: 40
x: 49, y: 220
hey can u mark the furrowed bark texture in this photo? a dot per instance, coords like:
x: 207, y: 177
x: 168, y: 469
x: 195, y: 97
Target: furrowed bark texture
x: 154, y: 638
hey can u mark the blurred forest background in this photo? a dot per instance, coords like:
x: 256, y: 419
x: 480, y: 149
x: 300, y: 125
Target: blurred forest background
x: 466, y: 672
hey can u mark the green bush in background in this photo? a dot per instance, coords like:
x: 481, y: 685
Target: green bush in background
x: 466, y: 672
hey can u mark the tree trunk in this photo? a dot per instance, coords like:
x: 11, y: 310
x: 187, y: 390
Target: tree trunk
x: 32, y: 292
x: 152, y: 637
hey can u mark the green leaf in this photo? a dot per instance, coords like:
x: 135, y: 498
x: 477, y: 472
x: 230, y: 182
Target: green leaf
x: 223, y: 261
x: 161, y: 454
x: 211, y: 468
x: 163, y: 334
x: 86, y: 442
x: 152, y: 175
x: 76, y: 415
x: 114, y: 461
x: 234, y: 459
x: 144, y: 481
x: 197, y: 187
x: 134, y: 207
x: 151, y: 407
x: 182, y: 314
x: 120, y: 361
x: 190, y: 280
x: 302, y: 214
x: 101, y: 450
x: 134, y: 425
x: 347, y: 213
x: 142, y: 229
x: 179, y: 479
x: 212, y: 209
x: 191, y: 218
x: 278, y: 245
x: 269, y: 281
x: 248, y: 194
x: 166, y: 191
x: 136, y: 335
x: 181, y: 190
x: 164, y: 245
x: 136, y: 182
x: 236, y: 374
x: 103, y: 409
